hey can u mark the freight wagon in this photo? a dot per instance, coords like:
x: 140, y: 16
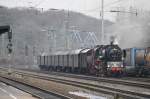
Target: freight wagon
x: 101, y: 60
x: 135, y: 61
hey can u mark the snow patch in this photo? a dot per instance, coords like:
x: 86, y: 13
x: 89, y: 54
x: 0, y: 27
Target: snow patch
x: 86, y: 95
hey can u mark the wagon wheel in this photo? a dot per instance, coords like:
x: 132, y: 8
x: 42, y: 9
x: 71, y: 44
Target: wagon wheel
x: 139, y: 74
x: 91, y: 69
x: 101, y: 70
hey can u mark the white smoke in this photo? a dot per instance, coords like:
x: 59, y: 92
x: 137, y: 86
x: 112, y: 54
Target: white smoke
x: 131, y: 30
x: 116, y: 42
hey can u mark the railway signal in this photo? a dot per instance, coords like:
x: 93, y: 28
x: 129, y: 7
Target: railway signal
x: 9, y: 47
x: 26, y: 50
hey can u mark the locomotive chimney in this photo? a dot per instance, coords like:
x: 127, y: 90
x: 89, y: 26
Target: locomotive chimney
x: 113, y: 40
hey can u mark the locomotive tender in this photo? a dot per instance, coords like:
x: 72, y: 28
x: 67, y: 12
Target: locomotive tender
x: 102, y: 60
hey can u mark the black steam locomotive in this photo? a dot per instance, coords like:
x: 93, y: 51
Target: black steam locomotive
x: 102, y: 60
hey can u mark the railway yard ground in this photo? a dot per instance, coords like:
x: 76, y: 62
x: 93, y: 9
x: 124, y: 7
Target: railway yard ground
x: 74, y: 49
x: 71, y: 86
x: 9, y: 92
x: 15, y: 90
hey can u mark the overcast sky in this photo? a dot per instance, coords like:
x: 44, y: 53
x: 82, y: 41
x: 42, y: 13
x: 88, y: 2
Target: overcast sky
x: 88, y: 7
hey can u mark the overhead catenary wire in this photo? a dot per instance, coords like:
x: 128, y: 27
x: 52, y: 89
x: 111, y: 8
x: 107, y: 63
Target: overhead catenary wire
x: 89, y: 10
x: 39, y: 3
x: 106, y: 6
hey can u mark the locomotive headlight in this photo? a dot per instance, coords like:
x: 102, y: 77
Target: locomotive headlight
x: 100, y: 57
x: 121, y: 65
x: 109, y: 64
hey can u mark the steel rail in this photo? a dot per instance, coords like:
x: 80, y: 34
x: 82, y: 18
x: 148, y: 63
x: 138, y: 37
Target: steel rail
x: 34, y: 91
x: 97, y: 88
x: 144, y: 83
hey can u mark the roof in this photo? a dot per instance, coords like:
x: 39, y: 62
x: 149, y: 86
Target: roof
x: 77, y: 51
x: 134, y: 48
x: 60, y: 53
x: 85, y: 50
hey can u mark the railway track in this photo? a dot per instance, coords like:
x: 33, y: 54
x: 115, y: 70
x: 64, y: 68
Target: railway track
x: 87, y: 83
x: 137, y: 82
x: 146, y: 79
x: 24, y: 78
x: 130, y: 81
x: 36, y: 92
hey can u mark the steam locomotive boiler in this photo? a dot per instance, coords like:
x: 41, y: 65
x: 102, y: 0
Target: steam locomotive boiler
x: 102, y: 60
x: 108, y: 60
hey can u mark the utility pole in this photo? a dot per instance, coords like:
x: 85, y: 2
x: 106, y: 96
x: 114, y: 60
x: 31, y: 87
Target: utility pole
x: 66, y: 30
x: 9, y: 47
x: 34, y: 56
x: 3, y: 45
x: 102, y: 21
x: 54, y: 39
x: 26, y: 49
x: 51, y: 36
x: 49, y: 48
